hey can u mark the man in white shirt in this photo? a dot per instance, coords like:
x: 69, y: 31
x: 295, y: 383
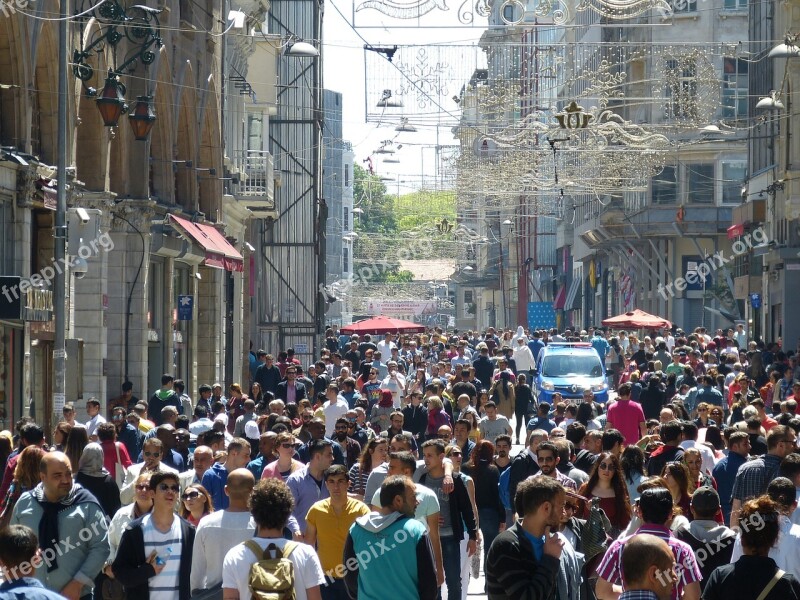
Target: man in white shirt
x: 95, y: 418
x: 385, y: 346
x: 690, y: 433
x: 201, y: 422
x: 335, y: 407
x: 220, y: 531
x: 271, y: 505
x: 395, y: 382
x: 152, y: 453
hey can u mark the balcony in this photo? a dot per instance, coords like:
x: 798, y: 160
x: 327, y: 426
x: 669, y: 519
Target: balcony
x: 253, y: 182
x: 749, y: 213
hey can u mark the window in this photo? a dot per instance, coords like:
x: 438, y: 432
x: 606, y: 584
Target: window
x: 734, y: 89
x: 665, y: 186
x: 347, y: 176
x: 735, y: 4
x: 468, y: 297
x: 346, y: 219
x: 345, y: 259
x: 700, y: 183
x: 734, y: 173
x: 681, y: 88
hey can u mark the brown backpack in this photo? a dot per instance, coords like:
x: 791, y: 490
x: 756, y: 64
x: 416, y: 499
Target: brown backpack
x: 271, y: 578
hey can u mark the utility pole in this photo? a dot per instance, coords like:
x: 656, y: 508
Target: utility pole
x: 60, y: 231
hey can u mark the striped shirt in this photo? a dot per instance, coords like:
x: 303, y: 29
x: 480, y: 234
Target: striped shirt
x: 610, y: 568
x: 164, y: 586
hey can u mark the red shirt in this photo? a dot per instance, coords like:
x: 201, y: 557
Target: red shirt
x: 626, y: 415
x: 110, y: 456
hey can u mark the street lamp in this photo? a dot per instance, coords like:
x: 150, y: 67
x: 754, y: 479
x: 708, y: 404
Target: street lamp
x: 111, y: 101
x: 142, y: 117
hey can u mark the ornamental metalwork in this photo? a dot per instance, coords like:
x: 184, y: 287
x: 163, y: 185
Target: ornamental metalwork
x: 116, y: 22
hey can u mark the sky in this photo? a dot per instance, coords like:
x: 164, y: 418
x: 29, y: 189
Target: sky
x: 344, y: 71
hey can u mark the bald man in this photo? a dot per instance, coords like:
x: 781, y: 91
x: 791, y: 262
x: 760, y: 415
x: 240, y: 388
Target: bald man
x: 648, y: 569
x: 222, y: 530
x: 73, y: 536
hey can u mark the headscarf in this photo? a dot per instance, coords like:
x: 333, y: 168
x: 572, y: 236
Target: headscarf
x: 91, y: 462
x: 519, y: 334
x: 387, y: 399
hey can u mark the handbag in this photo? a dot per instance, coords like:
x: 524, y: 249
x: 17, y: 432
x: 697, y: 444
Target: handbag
x: 771, y: 584
x: 119, y: 472
x: 595, y: 532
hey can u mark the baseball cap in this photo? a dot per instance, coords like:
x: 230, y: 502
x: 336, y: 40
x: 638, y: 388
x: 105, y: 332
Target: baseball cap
x: 705, y: 500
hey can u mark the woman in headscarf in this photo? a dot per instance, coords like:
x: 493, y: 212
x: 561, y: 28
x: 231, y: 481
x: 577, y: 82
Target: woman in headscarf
x: 379, y: 418
x: 519, y: 334
x: 94, y: 477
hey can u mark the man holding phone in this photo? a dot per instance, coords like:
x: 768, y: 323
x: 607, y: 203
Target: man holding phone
x: 154, y: 559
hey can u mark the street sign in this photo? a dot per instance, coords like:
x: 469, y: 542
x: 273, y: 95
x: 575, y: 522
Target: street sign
x: 755, y: 300
x: 301, y: 348
x: 185, y: 307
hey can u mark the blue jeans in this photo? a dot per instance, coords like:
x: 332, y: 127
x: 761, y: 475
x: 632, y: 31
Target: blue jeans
x: 490, y: 528
x: 451, y: 560
x: 334, y: 589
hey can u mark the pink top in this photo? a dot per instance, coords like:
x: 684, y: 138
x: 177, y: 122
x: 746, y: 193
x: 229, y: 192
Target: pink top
x: 625, y: 415
x: 271, y: 470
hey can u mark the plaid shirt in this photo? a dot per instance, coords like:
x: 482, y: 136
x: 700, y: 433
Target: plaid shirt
x: 754, y: 476
x: 561, y: 478
x: 610, y: 568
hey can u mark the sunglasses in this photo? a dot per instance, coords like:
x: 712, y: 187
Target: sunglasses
x: 193, y: 495
x: 152, y: 454
x: 287, y: 445
x: 143, y: 486
x: 702, y: 410
x: 455, y: 454
x: 163, y: 487
x: 307, y: 417
x: 606, y: 466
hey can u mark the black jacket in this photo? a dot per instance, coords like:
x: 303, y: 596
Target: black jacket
x: 669, y: 454
x: 156, y: 404
x: 415, y: 420
x: 513, y: 573
x: 300, y: 391
x: 132, y: 569
x: 268, y: 377
x: 484, y: 369
x: 522, y: 467
x: 461, y: 512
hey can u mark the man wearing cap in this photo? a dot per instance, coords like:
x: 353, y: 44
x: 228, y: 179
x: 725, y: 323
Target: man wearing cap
x: 712, y: 543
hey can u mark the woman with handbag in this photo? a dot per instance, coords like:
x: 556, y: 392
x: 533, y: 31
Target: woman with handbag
x: 26, y: 477
x: 607, y: 482
x: 755, y: 575
x: 94, y: 477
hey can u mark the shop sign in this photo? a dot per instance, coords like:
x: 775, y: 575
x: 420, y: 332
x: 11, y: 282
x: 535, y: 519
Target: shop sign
x: 20, y: 302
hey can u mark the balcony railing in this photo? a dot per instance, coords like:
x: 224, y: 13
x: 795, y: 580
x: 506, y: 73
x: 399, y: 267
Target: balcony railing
x: 256, y: 181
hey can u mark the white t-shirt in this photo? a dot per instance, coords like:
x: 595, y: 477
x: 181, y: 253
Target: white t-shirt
x: 216, y: 534
x: 165, y: 585
x: 236, y: 567
x: 91, y: 424
x: 428, y: 503
x: 333, y: 412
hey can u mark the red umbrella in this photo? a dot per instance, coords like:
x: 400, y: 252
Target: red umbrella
x: 637, y: 319
x: 380, y: 325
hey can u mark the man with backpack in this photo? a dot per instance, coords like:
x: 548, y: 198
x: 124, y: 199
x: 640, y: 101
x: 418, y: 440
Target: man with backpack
x: 259, y: 565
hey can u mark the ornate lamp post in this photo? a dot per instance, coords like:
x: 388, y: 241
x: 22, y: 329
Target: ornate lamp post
x: 140, y: 27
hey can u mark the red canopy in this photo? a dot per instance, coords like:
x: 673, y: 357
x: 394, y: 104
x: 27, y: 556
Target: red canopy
x: 637, y: 319
x: 380, y: 325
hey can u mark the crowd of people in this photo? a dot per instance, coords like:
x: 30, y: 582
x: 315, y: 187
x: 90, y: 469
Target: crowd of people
x: 387, y: 468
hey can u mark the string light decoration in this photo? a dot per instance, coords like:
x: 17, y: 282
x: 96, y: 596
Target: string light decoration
x: 561, y: 12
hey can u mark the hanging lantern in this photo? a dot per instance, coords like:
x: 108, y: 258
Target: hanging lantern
x: 111, y: 101
x: 142, y: 117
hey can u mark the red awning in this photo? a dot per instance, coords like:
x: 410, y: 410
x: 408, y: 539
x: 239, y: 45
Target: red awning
x: 561, y: 298
x: 637, y: 319
x: 220, y: 253
x: 735, y: 231
x: 381, y: 325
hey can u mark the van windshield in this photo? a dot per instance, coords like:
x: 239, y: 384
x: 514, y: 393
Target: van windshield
x: 571, y: 366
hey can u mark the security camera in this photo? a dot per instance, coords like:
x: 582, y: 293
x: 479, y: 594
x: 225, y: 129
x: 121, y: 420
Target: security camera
x: 83, y: 215
x: 79, y: 268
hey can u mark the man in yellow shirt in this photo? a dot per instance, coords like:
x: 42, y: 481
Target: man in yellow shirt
x: 327, y: 525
